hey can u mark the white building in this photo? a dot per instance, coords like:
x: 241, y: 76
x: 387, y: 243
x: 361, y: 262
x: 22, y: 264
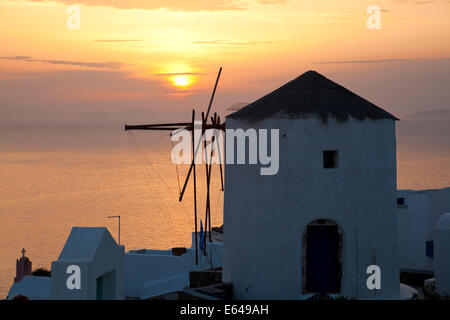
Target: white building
x: 32, y: 287
x: 329, y: 213
x: 418, y: 213
x: 442, y: 260
x: 99, y: 262
x: 150, y: 273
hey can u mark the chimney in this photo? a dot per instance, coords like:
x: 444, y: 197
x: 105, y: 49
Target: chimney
x: 23, y: 267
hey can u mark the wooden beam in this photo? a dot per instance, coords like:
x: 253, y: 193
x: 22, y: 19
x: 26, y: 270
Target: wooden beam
x: 213, y: 93
x: 195, y: 192
x: 173, y: 128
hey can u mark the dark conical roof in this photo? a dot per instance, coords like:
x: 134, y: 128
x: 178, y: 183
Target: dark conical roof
x: 308, y: 95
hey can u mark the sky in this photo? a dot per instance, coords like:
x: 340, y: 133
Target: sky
x: 149, y: 60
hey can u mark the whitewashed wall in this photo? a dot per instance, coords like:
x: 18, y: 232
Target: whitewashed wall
x: 417, y: 220
x: 442, y: 260
x: 97, y: 254
x: 265, y: 216
x: 155, y: 272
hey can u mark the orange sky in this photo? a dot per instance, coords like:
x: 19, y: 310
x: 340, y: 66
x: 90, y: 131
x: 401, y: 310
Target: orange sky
x: 126, y: 53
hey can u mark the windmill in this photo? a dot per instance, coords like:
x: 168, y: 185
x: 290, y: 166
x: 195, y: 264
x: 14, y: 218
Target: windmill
x: 215, y: 123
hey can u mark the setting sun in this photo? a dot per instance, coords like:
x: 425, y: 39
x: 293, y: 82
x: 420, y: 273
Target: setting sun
x: 181, y: 81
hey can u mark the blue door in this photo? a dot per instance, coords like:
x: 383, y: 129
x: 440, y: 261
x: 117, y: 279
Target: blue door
x: 322, y: 265
x: 100, y: 288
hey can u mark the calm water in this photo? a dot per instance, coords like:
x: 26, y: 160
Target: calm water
x: 45, y: 193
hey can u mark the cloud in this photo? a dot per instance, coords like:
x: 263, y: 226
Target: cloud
x: 377, y: 61
x: 423, y: 2
x: 117, y: 40
x: 172, y: 5
x: 232, y: 43
x: 273, y: 1
x: 359, y: 61
x: 100, y: 65
x: 66, y: 94
x: 179, y: 74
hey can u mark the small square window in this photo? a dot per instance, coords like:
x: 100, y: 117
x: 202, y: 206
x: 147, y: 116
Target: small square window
x: 401, y: 203
x: 330, y: 159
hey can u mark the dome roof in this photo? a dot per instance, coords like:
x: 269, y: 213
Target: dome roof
x: 444, y: 222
